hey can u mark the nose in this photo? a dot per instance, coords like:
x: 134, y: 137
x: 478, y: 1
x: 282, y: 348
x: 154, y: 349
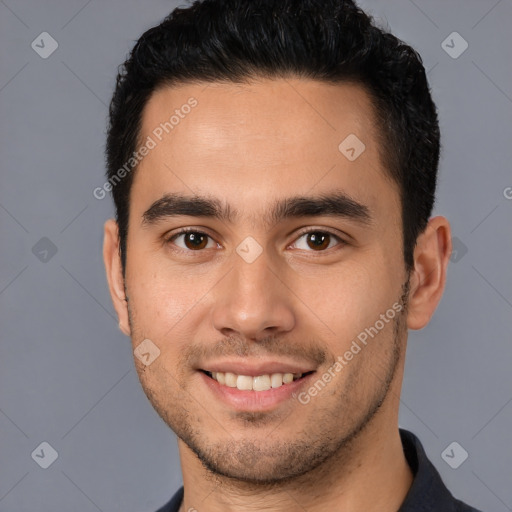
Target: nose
x: 253, y: 301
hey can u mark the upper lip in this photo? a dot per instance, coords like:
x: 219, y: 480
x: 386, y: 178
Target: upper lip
x: 256, y: 368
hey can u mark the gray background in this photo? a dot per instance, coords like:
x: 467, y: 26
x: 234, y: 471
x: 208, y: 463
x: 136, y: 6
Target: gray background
x: 66, y: 372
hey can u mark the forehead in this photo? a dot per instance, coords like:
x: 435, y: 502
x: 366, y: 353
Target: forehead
x: 266, y: 139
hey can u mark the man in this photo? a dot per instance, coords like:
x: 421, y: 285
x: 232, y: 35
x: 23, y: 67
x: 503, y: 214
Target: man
x: 273, y: 165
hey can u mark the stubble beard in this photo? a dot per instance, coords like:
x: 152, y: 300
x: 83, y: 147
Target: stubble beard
x: 327, y: 436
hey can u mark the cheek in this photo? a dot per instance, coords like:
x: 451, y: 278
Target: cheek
x: 164, y: 298
x: 345, y: 301
x: 164, y: 393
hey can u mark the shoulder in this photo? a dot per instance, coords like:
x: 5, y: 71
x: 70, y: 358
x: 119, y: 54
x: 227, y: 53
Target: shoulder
x: 463, y: 507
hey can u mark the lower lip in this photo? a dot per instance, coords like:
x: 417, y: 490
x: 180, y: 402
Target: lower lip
x: 255, y: 400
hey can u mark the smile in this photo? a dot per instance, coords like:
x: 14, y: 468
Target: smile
x: 257, y: 383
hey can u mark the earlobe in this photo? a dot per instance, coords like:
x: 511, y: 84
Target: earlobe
x: 428, y: 279
x: 113, y: 268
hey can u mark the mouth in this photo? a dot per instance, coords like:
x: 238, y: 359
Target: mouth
x: 256, y: 383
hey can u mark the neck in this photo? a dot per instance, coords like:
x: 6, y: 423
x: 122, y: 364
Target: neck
x: 370, y: 474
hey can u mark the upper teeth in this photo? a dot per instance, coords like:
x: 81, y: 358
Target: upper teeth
x: 258, y: 383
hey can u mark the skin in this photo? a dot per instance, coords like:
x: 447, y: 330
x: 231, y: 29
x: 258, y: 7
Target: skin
x: 250, y: 145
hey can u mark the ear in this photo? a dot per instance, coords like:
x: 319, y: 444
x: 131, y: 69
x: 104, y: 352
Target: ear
x: 112, y: 260
x: 431, y: 257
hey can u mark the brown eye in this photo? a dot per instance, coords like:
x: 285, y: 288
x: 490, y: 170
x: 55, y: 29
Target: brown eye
x: 191, y: 240
x: 195, y: 241
x: 317, y: 241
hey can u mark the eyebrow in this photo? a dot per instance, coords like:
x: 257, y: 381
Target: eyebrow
x: 337, y: 204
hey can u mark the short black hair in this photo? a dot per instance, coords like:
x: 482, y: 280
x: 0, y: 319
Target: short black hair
x: 332, y: 41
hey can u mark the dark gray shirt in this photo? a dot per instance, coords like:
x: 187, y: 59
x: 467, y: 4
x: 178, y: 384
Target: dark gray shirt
x: 427, y: 493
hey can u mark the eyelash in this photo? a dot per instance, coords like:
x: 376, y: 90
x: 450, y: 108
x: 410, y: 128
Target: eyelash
x: 184, y: 231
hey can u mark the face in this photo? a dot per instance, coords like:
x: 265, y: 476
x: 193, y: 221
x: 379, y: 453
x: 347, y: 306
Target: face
x: 291, y: 269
